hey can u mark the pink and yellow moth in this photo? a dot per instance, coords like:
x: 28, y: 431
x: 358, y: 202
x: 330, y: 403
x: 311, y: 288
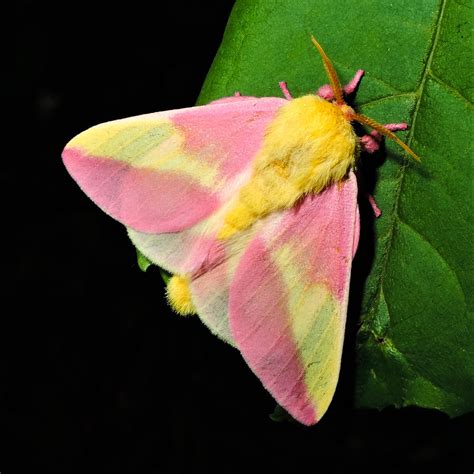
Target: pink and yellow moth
x: 251, y: 203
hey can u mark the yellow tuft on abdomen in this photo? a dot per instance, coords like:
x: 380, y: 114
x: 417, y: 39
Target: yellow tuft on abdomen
x: 179, y: 295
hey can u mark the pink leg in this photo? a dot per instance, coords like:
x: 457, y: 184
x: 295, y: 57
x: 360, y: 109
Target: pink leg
x: 375, y: 208
x: 395, y: 127
x: 285, y: 90
x: 327, y: 93
x: 237, y: 94
x: 352, y: 85
x: 371, y: 143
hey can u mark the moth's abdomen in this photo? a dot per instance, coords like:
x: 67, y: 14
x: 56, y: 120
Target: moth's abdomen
x: 179, y: 295
x: 307, y: 147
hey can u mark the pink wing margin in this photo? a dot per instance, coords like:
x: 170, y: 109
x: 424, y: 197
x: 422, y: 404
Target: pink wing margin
x: 288, y: 299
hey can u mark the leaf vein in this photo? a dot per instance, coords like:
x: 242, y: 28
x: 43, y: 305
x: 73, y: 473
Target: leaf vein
x: 386, y: 98
x: 424, y: 239
x: 451, y: 89
x: 398, y: 191
x: 398, y: 354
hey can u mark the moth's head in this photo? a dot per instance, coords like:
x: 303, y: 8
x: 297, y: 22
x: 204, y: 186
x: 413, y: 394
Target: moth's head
x: 348, y: 112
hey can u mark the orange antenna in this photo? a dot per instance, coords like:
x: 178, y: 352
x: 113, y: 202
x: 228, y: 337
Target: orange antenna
x: 338, y: 95
x: 331, y: 72
x: 384, y: 131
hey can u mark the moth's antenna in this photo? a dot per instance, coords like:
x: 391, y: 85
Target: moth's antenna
x: 338, y: 95
x: 384, y: 131
x: 331, y: 72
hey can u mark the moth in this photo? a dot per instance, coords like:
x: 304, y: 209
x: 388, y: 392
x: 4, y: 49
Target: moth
x: 251, y: 204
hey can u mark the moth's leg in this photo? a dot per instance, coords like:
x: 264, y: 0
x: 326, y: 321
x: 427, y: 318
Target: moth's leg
x: 351, y: 86
x: 284, y: 89
x: 371, y: 142
x: 230, y: 98
x: 326, y: 91
x: 375, y: 208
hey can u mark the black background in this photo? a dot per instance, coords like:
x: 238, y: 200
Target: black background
x: 100, y: 376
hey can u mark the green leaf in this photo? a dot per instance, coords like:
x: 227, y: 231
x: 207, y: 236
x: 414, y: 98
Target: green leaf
x: 415, y: 345
x: 280, y: 415
x: 143, y: 262
x: 165, y: 276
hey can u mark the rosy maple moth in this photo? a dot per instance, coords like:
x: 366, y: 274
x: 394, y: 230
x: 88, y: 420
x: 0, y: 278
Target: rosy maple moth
x: 251, y: 204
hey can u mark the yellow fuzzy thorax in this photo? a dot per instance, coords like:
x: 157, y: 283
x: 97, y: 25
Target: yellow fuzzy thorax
x: 308, y: 146
x: 179, y: 295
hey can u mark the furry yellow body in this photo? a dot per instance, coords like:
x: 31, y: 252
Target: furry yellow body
x: 308, y: 146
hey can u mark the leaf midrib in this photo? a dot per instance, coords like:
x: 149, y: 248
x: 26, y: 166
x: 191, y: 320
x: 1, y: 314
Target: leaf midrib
x: 418, y: 93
